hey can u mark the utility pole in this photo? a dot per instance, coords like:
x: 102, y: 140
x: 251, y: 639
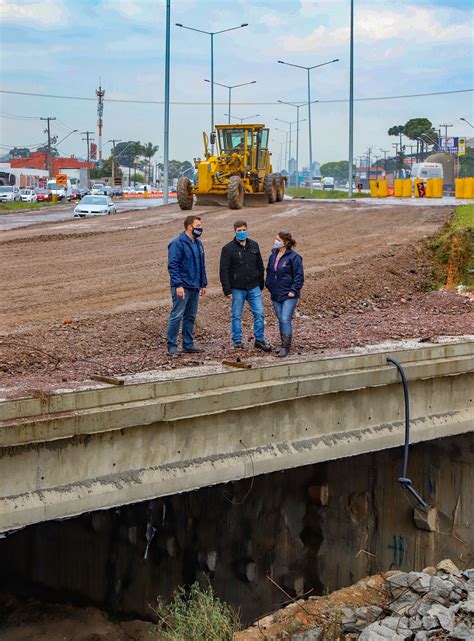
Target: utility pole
x: 385, y: 152
x: 87, y: 134
x: 446, y: 134
x: 369, y: 151
x: 166, y: 126
x: 48, y: 131
x: 113, y: 141
x: 351, y: 101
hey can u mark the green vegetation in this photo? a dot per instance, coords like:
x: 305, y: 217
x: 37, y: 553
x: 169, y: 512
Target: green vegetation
x: 301, y: 192
x: 20, y: 206
x: 467, y: 163
x: 339, y: 169
x: 195, y: 615
x: 453, y: 251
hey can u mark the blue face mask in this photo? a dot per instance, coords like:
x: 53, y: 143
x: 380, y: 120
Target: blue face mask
x: 241, y: 235
x: 278, y: 244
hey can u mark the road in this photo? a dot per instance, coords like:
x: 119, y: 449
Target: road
x: 92, y: 295
x: 65, y: 212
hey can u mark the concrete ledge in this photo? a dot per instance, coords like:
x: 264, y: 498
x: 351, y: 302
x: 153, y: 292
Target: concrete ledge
x: 112, y: 446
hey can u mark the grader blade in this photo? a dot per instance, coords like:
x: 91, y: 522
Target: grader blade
x: 211, y: 200
x: 255, y: 200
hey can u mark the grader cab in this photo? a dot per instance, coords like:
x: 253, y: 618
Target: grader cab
x: 238, y: 173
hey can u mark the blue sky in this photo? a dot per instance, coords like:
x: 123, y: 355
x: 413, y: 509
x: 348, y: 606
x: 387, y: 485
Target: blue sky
x: 63, y: 46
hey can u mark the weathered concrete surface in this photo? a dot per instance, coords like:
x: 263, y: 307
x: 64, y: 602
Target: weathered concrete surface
x: 69, y: 453
x: 234, y: 535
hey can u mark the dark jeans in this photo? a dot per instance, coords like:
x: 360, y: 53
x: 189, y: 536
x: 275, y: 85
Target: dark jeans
x: 184, y: 309
x: 284, y: 310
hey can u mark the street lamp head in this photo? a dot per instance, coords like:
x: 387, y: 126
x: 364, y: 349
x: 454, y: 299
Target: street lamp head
x: 253, y: 82
x: 462, y: 119
x: 335, y: 60
x: 178, y: 24
x: 244, y: 24
x: 206, y: 80
x: 280, y: 62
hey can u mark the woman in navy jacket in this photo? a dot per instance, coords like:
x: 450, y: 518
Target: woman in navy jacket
x: 285, y: 278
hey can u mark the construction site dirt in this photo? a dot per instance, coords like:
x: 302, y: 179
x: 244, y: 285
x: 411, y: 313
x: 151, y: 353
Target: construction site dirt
x: 91, y: 297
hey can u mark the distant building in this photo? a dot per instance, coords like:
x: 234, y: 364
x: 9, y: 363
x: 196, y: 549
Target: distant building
x: 35, y: 169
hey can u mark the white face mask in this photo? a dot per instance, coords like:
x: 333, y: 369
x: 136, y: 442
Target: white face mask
x: 279, y: 244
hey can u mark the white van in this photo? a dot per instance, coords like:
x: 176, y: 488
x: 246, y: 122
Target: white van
x: 328, y: 182
x: 63, y: 192
x: 426, y: 170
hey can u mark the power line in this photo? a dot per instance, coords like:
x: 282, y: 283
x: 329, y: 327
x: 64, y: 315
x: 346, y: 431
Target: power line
x: 8, y: 116
x: 205, y: 103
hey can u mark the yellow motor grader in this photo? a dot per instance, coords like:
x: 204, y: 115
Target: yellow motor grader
x: 239, y: 173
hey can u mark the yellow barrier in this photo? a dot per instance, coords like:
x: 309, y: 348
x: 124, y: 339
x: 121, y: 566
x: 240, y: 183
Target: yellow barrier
x: 419, y: 188
x: 429, y: 189
x: 469, y: 188
x: 459, y: 187
x: 374, y: 188
x: 439, y: 188
x: 398, y: 186
x: 383, y: 189
x: 54, y: 198
x: 406, y: 192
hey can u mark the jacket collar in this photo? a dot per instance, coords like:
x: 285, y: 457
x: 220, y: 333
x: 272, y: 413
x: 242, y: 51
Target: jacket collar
x: 183, y: 235
x: 238, y: 243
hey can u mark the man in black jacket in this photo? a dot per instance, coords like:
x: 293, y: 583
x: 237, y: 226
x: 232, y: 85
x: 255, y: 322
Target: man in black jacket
x: 242, y: 279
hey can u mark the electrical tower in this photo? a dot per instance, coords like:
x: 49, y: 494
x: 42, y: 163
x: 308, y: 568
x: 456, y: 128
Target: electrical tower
x: 100, y: 111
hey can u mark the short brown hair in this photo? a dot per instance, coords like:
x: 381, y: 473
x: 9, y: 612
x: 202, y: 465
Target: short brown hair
x: 189, y: 220
x: 240, y: 223
x: 287, y: 238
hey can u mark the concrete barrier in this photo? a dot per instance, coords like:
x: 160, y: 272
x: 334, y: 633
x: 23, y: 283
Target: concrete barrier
x: 78, y: 451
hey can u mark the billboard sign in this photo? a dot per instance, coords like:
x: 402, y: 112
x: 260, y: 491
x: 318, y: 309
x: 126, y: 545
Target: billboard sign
x: 451, y: 144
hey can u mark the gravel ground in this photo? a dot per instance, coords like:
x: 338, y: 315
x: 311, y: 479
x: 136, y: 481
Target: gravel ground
x: 92, y: 296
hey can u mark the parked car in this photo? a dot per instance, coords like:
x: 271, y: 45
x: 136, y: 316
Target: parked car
x: 108, y: 191
x: 28, y: 195
x: 97, y: 189
x: 9, y: 194
x: 84, y: 191
x: 117, y: 191
x: 94, y: 206
x: 43, y: 195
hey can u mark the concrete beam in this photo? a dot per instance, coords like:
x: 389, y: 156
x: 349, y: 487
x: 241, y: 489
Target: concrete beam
x: 68, y: 453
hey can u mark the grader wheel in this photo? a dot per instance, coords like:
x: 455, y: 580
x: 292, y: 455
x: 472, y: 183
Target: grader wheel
x: 184, y: 191
x: 270, y: 187
x: 235, y: 193
x: 280, y: 187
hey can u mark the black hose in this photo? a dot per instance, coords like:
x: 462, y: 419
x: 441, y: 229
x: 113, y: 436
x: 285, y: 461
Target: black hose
x: 404, y: 480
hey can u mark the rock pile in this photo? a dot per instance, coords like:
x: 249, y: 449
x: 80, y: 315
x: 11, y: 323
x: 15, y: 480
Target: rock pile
x: 437, y: 603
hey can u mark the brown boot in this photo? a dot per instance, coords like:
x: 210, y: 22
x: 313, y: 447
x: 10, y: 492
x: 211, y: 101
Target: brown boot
x: 285, y: 345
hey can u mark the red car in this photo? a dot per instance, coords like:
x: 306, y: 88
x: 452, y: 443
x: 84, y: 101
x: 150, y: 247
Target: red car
x: 43, y: 195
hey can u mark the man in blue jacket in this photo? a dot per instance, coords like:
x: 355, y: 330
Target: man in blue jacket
x: 187, y: 270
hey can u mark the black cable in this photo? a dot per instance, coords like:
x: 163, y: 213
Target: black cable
x: 404, y: 480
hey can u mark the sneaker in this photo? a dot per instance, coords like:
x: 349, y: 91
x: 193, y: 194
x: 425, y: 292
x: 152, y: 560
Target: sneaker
x: 263, y: 346
x: 173, y: 351
x: 193, y: 350
x: 239, y: 345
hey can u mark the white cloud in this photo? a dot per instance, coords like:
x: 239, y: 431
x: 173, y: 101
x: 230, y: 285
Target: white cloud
x: 271, y: 20
x: 377, y: 25
x: 42, y: 13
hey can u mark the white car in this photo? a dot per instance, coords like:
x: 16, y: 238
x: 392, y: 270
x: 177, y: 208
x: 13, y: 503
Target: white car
x: 28, y: 195
x: 9, y: 194
x: 97, y: 189
x: 94, y: 206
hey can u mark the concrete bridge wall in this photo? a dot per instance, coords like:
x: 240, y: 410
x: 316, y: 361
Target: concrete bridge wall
x: 75, y: 452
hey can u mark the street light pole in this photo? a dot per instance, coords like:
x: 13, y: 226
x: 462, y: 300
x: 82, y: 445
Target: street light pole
x: 310, y: 142
x: 166, y: 128
x: 292, y: 104
x: 212, y: 34
x: 351, y: 101
x: 242, y: 119
x: 230, y: 87
x: 286, y: 143
x: 467, y: 121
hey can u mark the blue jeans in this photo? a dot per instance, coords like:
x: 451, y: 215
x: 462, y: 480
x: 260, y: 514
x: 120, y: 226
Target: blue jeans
x: 255, y: 301
x: 284, y: 310
x: 184, y: 309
